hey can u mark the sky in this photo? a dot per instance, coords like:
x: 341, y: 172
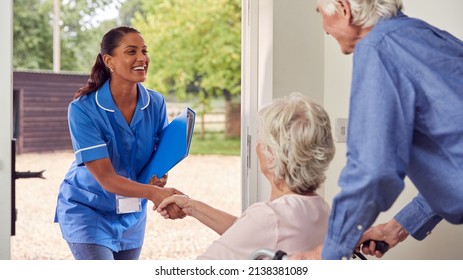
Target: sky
x: 110, y: 13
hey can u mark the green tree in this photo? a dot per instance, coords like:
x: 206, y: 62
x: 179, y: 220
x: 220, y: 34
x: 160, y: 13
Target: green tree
x: 128, y: 11
x: 80, y: 33
x: 32, y: 35
x: 195, y: 47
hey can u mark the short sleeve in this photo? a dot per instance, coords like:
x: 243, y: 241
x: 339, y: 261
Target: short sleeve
x: 87, y: 141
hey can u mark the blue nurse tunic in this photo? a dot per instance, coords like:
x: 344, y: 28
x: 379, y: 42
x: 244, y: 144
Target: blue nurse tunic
x: 85, y: 211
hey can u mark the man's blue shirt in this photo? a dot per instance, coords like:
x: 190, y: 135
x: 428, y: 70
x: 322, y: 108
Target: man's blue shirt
x: 405, y: 119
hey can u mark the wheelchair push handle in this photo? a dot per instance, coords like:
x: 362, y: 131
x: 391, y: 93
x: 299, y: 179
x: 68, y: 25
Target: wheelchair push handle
x: 265, y: 253
x: 380, y: 245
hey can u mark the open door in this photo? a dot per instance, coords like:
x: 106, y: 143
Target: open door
x: 282, y: 52
x: 6, y: 92
x: 249, y: 76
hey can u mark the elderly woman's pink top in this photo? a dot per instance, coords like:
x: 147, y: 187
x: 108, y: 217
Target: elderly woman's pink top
x: 291, y: 223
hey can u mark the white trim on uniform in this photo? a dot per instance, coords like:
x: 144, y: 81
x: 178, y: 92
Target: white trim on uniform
x: 99, y: 105
x: 89, y: 148
x: 147, y: 103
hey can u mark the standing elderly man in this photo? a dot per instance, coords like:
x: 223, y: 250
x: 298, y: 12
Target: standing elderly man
x: 406, y: 116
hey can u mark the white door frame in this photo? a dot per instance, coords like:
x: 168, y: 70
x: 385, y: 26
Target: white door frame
x: 249, y: 74
x: 256, y: 77
x: 6, y: 120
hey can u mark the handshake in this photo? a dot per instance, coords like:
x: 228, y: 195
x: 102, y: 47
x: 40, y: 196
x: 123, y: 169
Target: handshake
x: 168, y: 202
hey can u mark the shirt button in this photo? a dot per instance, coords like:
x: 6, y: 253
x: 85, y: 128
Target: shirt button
x: 359, y: 227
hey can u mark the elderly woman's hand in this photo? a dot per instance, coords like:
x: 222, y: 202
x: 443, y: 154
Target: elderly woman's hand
x: 160, y: 194
x: 181, y: 201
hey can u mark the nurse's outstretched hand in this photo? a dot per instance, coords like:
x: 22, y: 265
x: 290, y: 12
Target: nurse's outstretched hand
x: 174, y: 211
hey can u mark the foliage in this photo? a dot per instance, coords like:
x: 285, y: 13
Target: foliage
x: 80, y: 33
x: 128, y: 11
x: 195, y: 47
x: 33, y: 35
x: 85, y: 47
x: 193, y: 41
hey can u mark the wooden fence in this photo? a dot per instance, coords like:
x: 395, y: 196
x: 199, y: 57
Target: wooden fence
x: 40, y: 103
x: 214, y: 121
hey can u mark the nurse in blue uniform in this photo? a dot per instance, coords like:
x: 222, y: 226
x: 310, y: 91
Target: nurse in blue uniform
x: 114, y: 124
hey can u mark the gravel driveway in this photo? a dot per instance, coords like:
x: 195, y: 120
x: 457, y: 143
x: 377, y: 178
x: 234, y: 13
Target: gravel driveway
x: 213, y: 179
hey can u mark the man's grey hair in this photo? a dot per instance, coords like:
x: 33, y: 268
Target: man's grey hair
x: 366, y: 13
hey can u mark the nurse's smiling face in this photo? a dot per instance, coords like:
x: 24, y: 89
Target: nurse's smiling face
x: 129, y: 61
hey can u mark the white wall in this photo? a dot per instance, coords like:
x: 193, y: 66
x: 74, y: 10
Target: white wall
x: 445, y: 15
x: 6, y: 91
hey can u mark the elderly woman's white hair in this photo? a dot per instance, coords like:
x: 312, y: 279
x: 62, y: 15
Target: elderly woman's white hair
x: 296, y: 139
x: 366, y: 13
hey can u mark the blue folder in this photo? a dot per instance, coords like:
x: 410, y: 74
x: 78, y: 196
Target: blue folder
x: 173, y: 146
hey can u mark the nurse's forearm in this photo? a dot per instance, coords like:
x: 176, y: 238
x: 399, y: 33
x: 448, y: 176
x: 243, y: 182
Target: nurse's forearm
x: 103, y: 171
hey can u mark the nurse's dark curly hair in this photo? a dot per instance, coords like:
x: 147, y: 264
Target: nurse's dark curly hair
x: 100, y: 73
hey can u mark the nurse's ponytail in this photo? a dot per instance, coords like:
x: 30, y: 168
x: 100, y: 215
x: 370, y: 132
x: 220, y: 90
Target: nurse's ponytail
x: 100, y: 72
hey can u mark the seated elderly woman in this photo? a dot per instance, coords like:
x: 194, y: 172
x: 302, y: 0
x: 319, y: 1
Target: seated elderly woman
x: 295, y: 147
